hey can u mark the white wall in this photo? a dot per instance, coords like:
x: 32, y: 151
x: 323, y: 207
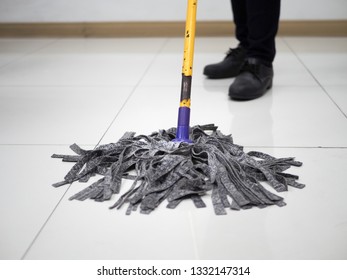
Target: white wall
x: 153, y: 10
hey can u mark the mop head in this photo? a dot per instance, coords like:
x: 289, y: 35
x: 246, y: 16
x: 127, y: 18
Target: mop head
x: 165, y: 170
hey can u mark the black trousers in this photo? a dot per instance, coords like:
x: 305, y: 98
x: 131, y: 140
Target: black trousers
x: 256, y: 26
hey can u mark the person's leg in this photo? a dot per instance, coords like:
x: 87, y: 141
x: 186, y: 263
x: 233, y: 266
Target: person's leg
x: 234, y: 60
x: 262, y: 21
x: 239, y: 8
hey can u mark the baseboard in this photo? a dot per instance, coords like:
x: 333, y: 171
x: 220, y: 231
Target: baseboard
x: 336, y: 28
x: 162, y: 29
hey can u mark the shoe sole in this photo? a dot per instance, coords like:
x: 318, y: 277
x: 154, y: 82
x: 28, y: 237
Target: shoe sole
x: 223, y: 75
x: 216, y: 77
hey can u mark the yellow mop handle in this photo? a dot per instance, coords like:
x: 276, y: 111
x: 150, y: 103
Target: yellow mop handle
x: 188, y: 56
x: 182, y: 134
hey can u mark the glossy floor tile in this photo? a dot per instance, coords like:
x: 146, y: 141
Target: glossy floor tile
x: 27, y: 198
x: 325, y: 58
x: 83, y: 62
x: 338, y: 95
x: 55, y: 92
x: 95, y: 232
x: 58, y: 115
x: 12, y: 49
x: 286, y: 116
x: 312, y: 225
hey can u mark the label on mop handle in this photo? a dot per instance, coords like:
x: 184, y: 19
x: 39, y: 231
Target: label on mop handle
x: 186, y: 86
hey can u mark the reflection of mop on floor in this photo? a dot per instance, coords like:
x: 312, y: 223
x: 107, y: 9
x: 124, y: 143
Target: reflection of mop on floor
x: 182, y: 163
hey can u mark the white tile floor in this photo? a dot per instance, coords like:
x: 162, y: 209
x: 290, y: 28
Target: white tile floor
x: 54, y: 92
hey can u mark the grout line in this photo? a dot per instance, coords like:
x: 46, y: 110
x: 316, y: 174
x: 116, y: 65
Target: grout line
x: 314, y: 77
x: 295, y: 147
x: 68, y: 86
x: 29, y: 53
x: 44, y: 224
x: 193, y: 232
x: 134, y: 89
x: 46, y: 145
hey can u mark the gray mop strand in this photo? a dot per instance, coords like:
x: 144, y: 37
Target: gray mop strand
x: 165, y: 170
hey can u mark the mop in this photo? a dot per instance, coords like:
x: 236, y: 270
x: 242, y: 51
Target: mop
x: 181, y: 163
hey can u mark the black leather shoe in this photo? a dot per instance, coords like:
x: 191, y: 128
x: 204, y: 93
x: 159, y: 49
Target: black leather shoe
x: 253, y: 81
x: 229, y: 67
